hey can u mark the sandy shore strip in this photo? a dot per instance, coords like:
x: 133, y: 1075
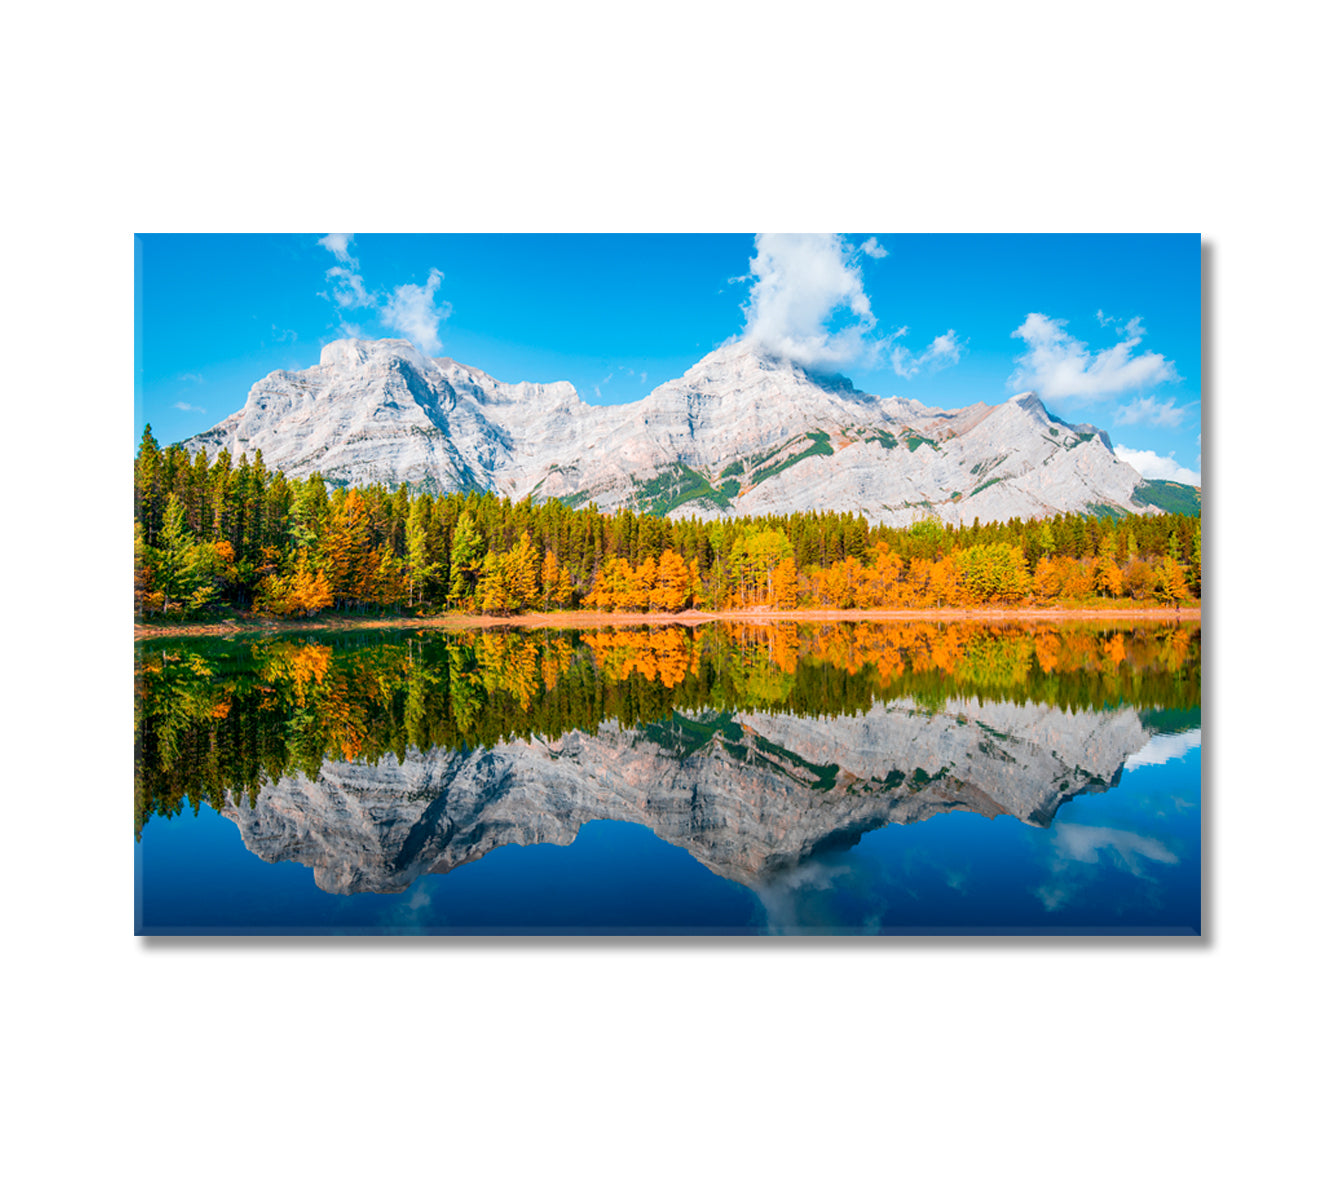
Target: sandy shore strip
x: 592, y: 620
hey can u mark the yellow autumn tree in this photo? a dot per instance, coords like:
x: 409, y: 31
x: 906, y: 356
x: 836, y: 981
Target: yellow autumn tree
x: 310, y: 590
x: 614, y: 587
x: 836, y: 586
x: 645, y: 580
x: 785, y: 584
x: 992, y: 574
x: 1108, y: 576
x: 943, y: 583
x: 491, y: 596
x: 1079, y: 582
x: 671, y: 591
x: 557, y: 587
x: 299, y: 592
x: 519, y: 570
x: 881, y: 581
x: 754, y: 557
x: 349, y: 562
x: 1049, y: 577
x: 1170, y: 582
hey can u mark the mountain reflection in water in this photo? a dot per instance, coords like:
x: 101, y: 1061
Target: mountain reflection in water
x: 376, y: 759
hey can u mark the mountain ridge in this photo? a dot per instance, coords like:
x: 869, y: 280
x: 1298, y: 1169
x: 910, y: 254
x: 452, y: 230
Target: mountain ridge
x: 740, y: 433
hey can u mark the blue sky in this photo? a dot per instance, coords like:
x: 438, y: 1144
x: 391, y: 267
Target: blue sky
x: 1105, y: 327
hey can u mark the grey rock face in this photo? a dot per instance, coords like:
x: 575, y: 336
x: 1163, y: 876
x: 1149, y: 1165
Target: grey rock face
x: 740, y: 432
x: 748, y: 796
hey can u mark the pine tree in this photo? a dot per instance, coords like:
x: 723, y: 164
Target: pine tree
x: 422, y: 566
x: 148, y: 486
x: 550, y: 580
x: 465, y: 559
x: 144, y: 596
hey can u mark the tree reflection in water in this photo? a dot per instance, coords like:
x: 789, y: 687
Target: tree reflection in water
x: 218, y: 720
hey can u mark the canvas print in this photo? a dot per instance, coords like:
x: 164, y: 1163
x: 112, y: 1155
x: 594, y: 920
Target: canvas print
x: 671, y: 584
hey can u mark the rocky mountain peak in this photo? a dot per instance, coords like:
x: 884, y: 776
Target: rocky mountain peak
x: 744, y: 360
x: 1029, y: 402
x: 352, y: 353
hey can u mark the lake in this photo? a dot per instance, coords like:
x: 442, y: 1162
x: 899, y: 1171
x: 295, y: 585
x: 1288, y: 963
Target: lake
x: 849, y: 777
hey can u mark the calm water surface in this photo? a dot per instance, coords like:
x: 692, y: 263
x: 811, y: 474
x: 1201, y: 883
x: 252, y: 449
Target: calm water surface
x: 852, y: 777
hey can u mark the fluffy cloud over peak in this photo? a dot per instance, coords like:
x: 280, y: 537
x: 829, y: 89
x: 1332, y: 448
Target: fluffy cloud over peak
x: 412, y: 311
x: 1058, y: 367
x: 807, y: 302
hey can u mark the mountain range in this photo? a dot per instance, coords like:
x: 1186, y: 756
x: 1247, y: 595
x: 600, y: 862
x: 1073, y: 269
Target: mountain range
x: 740, y: 433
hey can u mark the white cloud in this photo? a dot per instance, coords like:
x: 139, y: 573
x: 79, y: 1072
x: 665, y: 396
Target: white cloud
x: 802, y: 283
x: 191, y: 377
x: 1149, y: 410
x: 413, y: 312
x: 1157, y: 466
x: 807, y: 303
x: 337, y: 244
x: 349, y: 289
x: 943, y: 352
x: 1058, y: 367
x: 181, y: 404
x: 283, y: 335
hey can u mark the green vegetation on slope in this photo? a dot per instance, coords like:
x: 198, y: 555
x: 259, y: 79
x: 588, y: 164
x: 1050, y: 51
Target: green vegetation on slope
x: 819, y: 444
x: 675, y: 486
x: 1180, y: 498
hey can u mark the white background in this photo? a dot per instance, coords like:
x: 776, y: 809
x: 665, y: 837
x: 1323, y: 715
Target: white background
x: 924, y: 1069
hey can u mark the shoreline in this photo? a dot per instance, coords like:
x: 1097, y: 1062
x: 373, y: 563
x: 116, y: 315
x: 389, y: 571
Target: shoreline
x: 591, y: 620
